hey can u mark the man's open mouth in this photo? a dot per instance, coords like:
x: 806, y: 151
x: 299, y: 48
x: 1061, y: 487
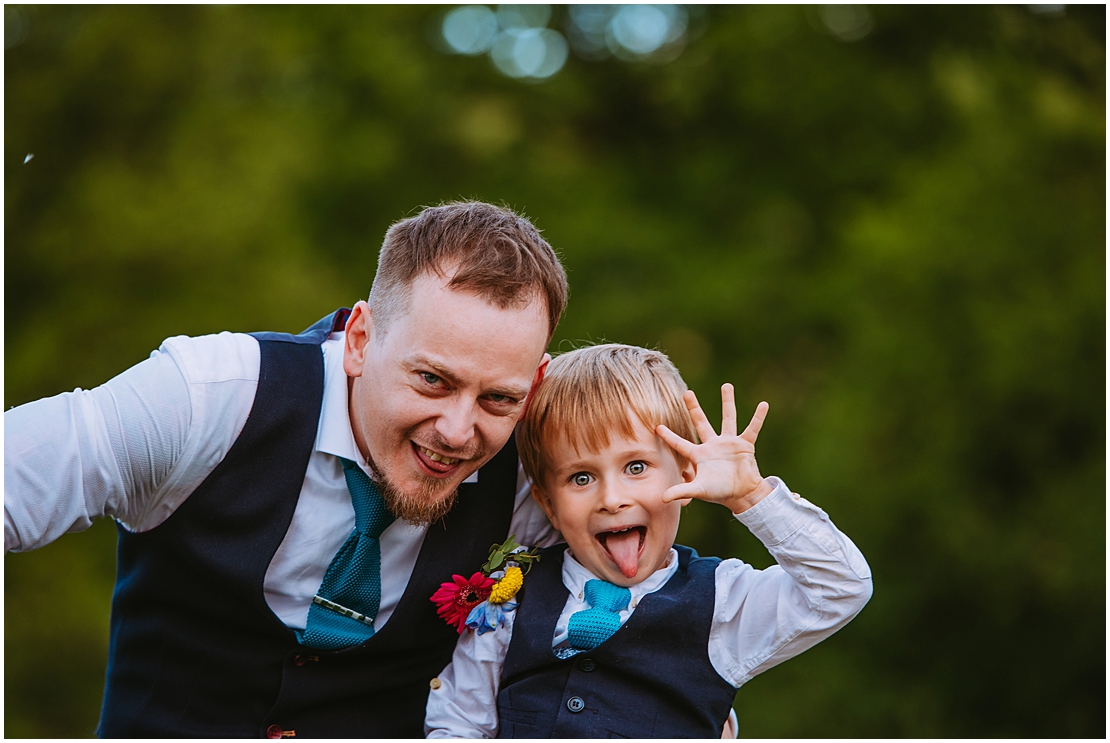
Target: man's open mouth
x: 623, y: 546
x: 433, y: 461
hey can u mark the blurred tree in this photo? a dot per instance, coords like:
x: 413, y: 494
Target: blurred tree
x: 888, y: 222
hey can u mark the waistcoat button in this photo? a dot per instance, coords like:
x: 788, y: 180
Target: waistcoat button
x: 274, y: 731
x: 587, y: 665
x: 575, y: 704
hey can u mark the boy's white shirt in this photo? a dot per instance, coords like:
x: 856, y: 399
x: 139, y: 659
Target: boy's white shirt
x: 760, y: 617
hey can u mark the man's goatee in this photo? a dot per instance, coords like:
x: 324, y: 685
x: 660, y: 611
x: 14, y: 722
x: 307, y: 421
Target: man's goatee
x: 426, y: 506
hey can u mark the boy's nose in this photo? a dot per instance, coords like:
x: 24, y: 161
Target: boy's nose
x: 614, y: 497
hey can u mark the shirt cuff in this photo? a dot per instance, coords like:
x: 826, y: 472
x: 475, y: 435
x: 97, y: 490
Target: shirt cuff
x: 776, y: 517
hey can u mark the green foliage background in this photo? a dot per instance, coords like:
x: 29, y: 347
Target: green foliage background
x: 897, y: 242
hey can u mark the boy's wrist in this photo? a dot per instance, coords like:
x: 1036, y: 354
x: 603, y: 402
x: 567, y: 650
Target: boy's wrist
x: 742, y: 503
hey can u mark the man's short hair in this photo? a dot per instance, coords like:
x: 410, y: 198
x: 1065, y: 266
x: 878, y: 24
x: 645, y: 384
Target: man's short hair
x: 494, y: 253
x: 591, y: 393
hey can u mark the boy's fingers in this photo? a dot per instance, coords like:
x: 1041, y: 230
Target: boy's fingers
x: 728, y: 410
x: 697, y: 415
x: 751, y: 433
x: 676, y: 442
x: 680, y: 491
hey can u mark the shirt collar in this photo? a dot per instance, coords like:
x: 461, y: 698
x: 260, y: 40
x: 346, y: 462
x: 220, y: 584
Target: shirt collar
x: 575, y: 576
x: 334, y: 435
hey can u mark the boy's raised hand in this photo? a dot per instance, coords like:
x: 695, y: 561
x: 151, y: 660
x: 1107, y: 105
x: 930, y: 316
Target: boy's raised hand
x: 725, y: 470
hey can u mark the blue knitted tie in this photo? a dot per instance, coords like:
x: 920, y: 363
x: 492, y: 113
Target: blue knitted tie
x: 343, y: 611
x: 590, y: 627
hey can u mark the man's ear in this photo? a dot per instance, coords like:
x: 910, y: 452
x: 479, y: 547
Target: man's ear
x: 360, y: 326
x: 541, y: 497
x: 536, y: 379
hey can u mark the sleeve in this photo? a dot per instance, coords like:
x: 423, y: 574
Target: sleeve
x: 763, y: 617
x: 133, y: 448
x: 465, y: 703
x: 529, y: 522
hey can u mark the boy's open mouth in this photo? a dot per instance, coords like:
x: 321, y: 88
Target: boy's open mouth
x: 623, y: 546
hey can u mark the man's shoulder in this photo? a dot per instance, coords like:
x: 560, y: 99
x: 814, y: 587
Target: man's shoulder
x: 221, y: 357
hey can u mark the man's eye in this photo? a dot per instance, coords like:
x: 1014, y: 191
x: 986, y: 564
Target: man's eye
x: 431, y: 379
x: 636, y: 468
x: 581, y: 479
x: 500, y: 399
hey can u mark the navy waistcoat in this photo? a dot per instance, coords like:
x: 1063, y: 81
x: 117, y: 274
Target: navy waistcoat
x: 195, y: 651
x: 652, y: 679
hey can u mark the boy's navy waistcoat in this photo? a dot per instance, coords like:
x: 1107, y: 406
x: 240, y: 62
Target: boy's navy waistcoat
x: 195, y: 651
x: 652, y: 679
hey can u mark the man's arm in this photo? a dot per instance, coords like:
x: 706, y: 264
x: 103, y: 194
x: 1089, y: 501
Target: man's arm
x: 763, y: 617
x: 464, y: 704
x: 530, y: 524
x: 133, y: 448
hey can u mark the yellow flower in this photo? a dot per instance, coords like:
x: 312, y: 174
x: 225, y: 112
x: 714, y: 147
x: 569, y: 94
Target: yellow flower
x: 507, y: 587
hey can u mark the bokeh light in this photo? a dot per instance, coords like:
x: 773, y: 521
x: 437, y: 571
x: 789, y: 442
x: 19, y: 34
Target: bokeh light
x: 529, y: 52
x: 643, y: 29
x: 523, y: 16
x: 521, y: 44
x: 516, y: 36
x: 470, y: 29
x: 847, y: 22
x: 16, y: 26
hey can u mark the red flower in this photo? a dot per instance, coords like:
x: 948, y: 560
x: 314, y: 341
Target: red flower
x: 458, y: 596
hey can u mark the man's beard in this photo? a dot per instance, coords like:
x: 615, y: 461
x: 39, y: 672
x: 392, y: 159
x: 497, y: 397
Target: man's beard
x: 428, y: 505
x: 431, y: 501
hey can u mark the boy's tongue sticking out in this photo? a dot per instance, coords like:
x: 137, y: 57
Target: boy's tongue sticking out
x: 624, y: 548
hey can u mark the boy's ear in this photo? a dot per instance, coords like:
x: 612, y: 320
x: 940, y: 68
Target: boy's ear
x: 689, y: 471
x: 541, y: 497
x: 688, y: 474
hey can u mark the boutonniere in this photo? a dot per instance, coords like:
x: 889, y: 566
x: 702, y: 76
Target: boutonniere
x: 481, y: 601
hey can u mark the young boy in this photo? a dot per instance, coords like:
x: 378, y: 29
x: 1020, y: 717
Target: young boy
x: 621, y: 633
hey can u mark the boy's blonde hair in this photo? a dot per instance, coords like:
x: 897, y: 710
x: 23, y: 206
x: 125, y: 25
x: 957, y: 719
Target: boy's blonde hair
x: 590, y: 393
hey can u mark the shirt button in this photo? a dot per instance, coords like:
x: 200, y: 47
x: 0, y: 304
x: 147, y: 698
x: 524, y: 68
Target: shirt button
x: 435, y: 683
x: 587, y: 665
x: 575, y: 704
x: 274, y: 731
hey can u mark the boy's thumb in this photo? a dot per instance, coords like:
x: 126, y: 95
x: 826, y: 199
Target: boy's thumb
x: 679, y: 492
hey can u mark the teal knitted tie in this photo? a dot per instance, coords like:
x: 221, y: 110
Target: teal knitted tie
x: 343, y: 610
x: 590, y: 627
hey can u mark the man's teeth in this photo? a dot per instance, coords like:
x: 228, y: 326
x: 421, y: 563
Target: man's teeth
x: 438, y: 457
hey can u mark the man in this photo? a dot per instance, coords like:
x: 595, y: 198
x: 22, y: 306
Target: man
x: 288, y: 504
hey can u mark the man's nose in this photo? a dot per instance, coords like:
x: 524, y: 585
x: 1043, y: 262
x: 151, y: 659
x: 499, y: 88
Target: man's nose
x: 455, y: 423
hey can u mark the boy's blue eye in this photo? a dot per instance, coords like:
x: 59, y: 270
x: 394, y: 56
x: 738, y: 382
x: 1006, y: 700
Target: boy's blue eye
x: 581, y: 479
x: 637, y: 468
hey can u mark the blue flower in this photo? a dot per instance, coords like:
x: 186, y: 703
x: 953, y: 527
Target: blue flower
x: 486, y: 617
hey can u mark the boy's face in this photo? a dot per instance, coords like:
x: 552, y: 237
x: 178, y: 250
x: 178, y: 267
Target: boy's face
x: 608, y: 504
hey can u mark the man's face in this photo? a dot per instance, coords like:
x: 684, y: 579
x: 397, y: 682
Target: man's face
x: 609, y: 504
x: 436, y: 395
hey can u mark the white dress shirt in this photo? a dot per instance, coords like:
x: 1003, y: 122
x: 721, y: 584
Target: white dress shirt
x: 136, y: 447
x: 760, y: 617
